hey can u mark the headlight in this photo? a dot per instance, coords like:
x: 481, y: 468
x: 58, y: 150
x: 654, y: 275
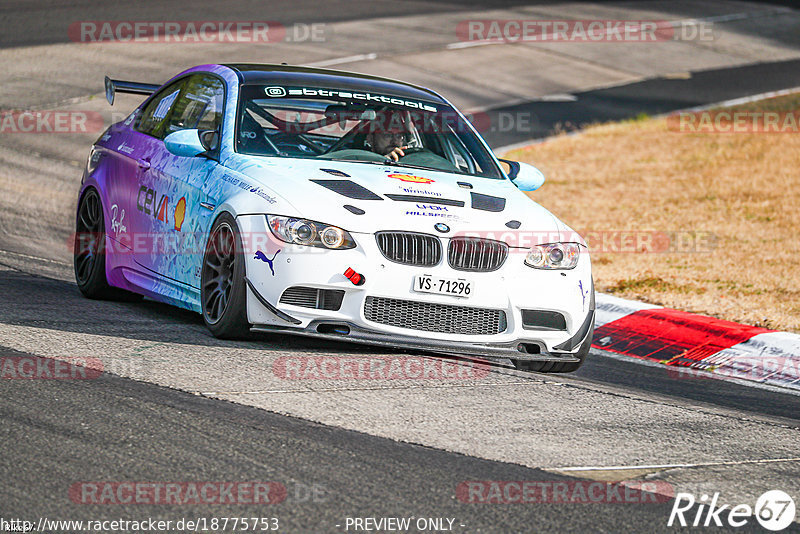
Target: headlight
x: 553, y: 256
x: 309, y: 233
x: 92, y: 162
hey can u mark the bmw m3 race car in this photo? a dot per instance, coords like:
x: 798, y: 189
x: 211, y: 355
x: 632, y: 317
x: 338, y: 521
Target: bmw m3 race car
x: 286, y: 199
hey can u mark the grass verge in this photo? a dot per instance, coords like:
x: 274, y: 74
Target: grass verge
x: 726, y: 205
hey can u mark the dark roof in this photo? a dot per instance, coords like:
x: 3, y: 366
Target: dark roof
x: 311, y: 77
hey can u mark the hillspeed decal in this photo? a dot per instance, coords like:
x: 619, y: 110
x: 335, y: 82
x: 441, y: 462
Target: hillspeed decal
x: 447, y: 216
x: 411, y: 178
x: 279, y: 92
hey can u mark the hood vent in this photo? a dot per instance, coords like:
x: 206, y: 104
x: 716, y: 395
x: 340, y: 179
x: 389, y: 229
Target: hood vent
x: 487, y: 202
x: 353, y: 209
x: 426, y: 199
x: 348, y: 189
x: 336, y: 172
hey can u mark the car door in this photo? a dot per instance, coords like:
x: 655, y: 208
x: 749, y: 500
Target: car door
x: 149, y: 204
x: 185, y: 212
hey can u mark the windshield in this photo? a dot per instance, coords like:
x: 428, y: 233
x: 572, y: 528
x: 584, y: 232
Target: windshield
x: 331, y: 124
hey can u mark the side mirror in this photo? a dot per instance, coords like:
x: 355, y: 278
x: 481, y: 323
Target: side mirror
x: 209, y: 139
x: 526, y: 177
x: 185, y: 143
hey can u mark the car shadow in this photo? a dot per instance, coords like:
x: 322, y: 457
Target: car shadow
x: 42, y: 302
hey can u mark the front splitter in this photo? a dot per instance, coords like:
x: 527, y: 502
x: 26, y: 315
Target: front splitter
x: 359, y: 334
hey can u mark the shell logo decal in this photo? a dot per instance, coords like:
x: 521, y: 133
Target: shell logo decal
x: 180, y: 213
x: 411, y: 178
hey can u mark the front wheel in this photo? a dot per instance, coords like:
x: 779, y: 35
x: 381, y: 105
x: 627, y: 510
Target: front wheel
x: 89, y: 252
x: 223, y: 292
x: 558, y: 367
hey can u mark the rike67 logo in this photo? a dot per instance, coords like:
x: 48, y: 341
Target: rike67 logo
x: 774, y: 510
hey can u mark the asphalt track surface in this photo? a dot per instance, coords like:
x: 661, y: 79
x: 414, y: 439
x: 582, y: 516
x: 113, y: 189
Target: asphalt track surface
x: 178, y: 405
x: 362, y: 476
x: 654, y: 96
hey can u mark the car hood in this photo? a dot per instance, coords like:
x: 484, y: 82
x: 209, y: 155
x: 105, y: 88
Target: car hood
x: 400, y: 198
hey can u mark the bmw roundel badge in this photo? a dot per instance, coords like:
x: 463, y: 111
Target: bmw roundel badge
x: 441, y: 227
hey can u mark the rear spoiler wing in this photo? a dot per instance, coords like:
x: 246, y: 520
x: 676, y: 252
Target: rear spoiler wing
x: 136, y: 88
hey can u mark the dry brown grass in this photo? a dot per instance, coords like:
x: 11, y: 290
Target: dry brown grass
x: 744, y: 189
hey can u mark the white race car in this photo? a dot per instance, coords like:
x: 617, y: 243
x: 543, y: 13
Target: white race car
x: 330, y: 204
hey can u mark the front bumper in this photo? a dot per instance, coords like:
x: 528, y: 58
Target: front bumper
x: 512, y: 288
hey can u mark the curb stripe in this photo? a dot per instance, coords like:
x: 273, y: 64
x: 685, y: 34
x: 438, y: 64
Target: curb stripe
x: 671, y: 336
x: 697, y: 346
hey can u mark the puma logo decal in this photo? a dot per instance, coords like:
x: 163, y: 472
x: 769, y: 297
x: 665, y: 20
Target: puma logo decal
x: 584, y: 293
x: 263, y: 257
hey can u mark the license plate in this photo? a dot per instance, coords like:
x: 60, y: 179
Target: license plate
x: 455, y: 287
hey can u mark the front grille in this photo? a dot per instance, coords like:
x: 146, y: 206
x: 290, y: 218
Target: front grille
x: 474, y: 254
x: 430, y: 317
x: 410, y: 249
x: 312, y: 297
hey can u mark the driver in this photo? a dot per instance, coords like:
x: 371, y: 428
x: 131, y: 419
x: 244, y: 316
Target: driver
x: 389, y: 144
x: 389, y: 135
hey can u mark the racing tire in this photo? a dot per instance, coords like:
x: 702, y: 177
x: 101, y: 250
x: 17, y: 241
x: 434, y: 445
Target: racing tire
x: 558, y: 367
x: 89, y: 252
x: 223, y: 291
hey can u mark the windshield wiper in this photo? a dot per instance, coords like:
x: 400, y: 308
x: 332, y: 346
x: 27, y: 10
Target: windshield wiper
x: 348, y: 160
x: 409, y: 166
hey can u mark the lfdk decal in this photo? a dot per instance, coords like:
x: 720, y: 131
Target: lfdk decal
x: 432, y: 207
